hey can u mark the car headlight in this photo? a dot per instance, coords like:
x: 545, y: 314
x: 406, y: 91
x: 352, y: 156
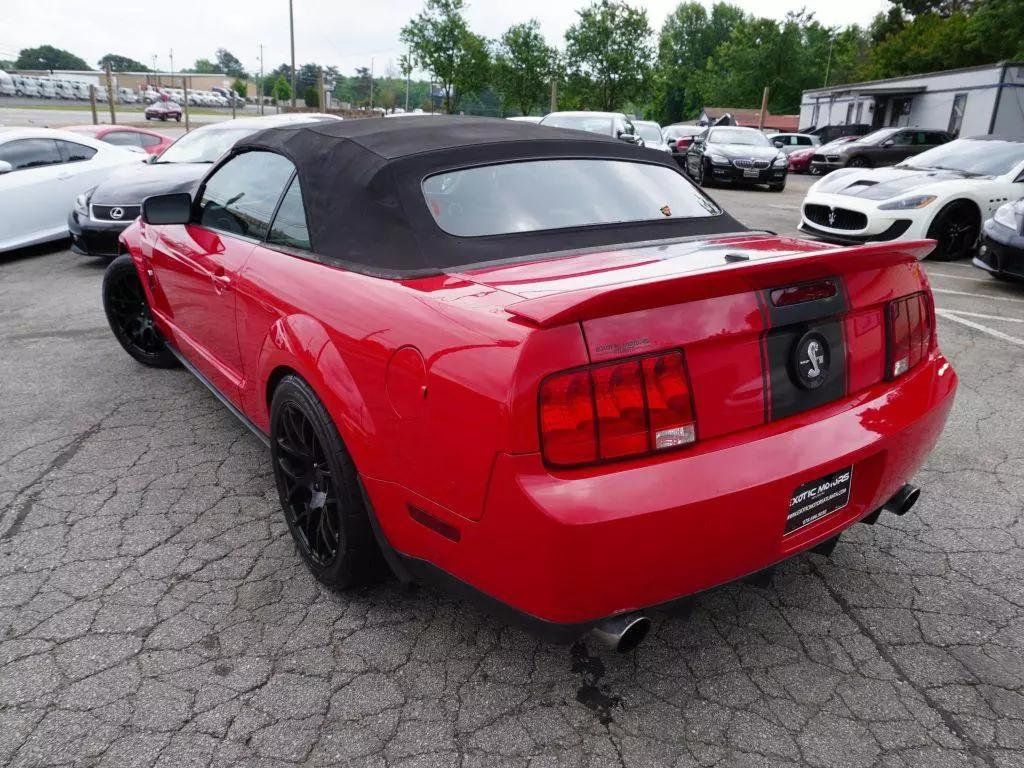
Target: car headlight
x: 781, y: 161
x: 1005, y: 216
x: 908, y: 203
x: 82, y: 203
x: 718, y: 160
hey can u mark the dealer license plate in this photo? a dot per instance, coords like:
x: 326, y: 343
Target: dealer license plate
x: 819, y: 498
x: 752, y: 173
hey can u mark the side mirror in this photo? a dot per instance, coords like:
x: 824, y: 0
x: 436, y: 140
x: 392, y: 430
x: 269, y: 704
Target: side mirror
x: 888, y: 143
x: 629, y: 138
x: 167, y: 209
x: 778, y: 144
x: 5, y: 167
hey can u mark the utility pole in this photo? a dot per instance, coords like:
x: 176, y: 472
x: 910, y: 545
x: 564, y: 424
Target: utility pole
x: 320, y: 87
x: 172, y: 65
x: 371, y: 84
x: 110, y: 95
x: 553, y: 107
x: 291, y: 29
x: 828, y: 63
x: 259, y: 85
x: 184, y: 90
x: 764, y: 109
x: 92, y: 104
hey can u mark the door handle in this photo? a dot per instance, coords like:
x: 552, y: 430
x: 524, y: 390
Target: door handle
x: 221, y: 282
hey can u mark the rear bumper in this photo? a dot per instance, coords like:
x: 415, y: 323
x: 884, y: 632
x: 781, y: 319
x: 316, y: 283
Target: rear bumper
x: 567, y: 549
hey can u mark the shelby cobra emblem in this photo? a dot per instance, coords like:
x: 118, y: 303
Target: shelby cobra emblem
x: 116, y: 213
x: 811, y: 360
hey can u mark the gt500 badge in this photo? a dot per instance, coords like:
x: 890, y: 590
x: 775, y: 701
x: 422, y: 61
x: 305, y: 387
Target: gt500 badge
x: 819, y: 498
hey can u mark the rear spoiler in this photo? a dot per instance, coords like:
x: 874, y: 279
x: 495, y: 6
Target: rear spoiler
x: 729, y: 278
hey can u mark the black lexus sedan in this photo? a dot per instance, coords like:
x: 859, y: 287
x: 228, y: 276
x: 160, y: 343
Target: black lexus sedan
x: 102, y: 213
x: 735, y: 155
x: 1002, y: 243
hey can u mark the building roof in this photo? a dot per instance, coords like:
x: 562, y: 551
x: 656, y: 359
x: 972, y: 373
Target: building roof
x: 865, y: 83
x: 751, y: 117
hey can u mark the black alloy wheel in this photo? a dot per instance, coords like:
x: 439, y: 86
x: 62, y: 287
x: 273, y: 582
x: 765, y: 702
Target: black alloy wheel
x: 955, y: 230
x: 705, y: 179
x: 858, y: 162
x: 318, y: 486
x: 127, y: 310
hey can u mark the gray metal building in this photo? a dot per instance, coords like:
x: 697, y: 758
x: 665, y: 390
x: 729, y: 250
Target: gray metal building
x: 970, y: 101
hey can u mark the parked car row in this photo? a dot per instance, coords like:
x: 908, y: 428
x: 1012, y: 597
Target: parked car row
x: 215, y: 97
x: 40, y: 87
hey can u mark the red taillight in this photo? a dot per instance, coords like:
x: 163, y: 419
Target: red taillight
x: 613, y: 410
x: 911, y: 324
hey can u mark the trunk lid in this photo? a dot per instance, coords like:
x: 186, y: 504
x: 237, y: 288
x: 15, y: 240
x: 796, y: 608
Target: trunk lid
x: 715, y: 300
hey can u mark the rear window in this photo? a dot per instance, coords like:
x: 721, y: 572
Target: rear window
x: 537, y: 195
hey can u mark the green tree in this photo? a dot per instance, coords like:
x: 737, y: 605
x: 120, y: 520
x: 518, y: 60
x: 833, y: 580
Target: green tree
x: 608, y: 55
x: 48, y: 57
x: 311, y: 96
x: 523, y: 66
x: 229, y: 64
x: 241, y: 87
x: 688, y: 39
x: 927, y: 43
x: 204, y: 67
x: 282, y: 90
x: 996, y: 30
x: 440, y: 41
x: 118, y: 63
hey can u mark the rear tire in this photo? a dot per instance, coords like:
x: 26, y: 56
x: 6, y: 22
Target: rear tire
x: 858, y: 162
x: 318, y: 486
x: 955, y: 229
x: 704, y: 179
x: 127, y: 310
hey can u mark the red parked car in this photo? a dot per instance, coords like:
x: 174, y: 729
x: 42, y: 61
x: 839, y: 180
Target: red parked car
x: 163, y: 110
x: 543, y: 368
x: 151, y: 142
x: 800, y: 161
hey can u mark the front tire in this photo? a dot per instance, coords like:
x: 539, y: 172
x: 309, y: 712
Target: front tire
x: 777, y: 187
x: 955, y: 230
x: 127, y: 311
x: 858, y: 162
x: 318, y: 486
x: 705, y: 179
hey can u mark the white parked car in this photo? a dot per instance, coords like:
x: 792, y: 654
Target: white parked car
x: 652, y: 135
x: 46, y: 88
x: 944, y: 194
x: 6, y: 84
x: 126, y: 96
x: 42, y: 171
x: 26, y: 86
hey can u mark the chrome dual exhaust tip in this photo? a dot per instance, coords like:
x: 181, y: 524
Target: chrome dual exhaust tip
x: 622, y: 633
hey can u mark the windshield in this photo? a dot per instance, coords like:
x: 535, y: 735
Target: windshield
x: 878, y: 136
x: 971, y: 156
x: 745, y: 136
x: 203, y: 146
x: 649, y: 132
x: 593, y: 123
x: 536, y: 195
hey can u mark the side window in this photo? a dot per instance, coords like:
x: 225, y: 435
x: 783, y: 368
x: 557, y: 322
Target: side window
x: 74, y: 153
x: 289, y: 226
x: 803, y: 141
x: 122, y: 138
x: 147, y: 140
x: 903, y: 139
x: 241, y: 196
x: 936, y: 138
x: 30, y: 153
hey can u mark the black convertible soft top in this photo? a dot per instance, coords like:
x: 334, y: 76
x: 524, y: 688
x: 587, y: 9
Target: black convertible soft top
x: 361, y: 185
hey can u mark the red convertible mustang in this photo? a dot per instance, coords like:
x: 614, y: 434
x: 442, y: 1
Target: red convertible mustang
x: 539, y: 366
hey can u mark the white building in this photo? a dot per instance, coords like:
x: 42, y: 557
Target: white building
x: 970, y: 102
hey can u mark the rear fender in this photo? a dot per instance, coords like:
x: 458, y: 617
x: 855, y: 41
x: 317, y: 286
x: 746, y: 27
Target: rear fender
x: 302, y: 344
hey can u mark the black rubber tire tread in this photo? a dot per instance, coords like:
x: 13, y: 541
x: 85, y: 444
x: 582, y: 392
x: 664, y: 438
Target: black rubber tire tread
x: 123, y: 268
x: 956, y: 207
x: 359, y: 560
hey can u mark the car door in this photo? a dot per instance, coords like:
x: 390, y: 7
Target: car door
x: 901, y: 146
x: 30, y: 194
x: 195, y: 265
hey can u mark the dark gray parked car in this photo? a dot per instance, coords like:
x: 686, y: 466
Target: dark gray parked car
x: 887, y: 146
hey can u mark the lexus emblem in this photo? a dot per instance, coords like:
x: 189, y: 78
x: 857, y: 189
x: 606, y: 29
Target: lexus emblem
x: 810, y: 360
x: 831, y: 217
x: 116, y: 213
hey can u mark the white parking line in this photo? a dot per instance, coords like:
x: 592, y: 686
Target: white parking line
x: 977, y: 295
x: 983, y: 317
x: 957, y: 277
x: 947, y: 315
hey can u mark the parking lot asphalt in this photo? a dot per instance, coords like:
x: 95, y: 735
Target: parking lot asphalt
x: 153, y: 610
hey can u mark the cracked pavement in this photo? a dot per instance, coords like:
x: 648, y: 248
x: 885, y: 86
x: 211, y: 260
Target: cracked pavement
x: 154, y: 612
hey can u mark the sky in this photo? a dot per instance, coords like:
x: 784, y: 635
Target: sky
x: 345, y: 33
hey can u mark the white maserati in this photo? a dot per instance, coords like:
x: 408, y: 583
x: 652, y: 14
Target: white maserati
x: 42, y: 171
x: 944, y: 194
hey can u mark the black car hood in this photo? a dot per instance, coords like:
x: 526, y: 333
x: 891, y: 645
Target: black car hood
x: 132, y: 184
x: 743, y: 151
x: 882, y: 183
